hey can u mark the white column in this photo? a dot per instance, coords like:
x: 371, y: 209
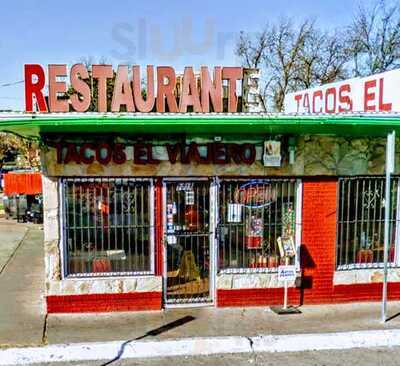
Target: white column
x: 390, y: 155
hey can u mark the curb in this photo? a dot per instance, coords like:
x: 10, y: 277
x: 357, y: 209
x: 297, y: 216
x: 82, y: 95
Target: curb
x: 199, y: 346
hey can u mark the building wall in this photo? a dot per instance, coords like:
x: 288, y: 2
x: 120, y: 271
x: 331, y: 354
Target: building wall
x: 316, y: 156
x: 321, y: 283
x: 88, y: 294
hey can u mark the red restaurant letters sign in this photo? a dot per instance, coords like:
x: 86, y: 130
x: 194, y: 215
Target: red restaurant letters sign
x: 202, y: 94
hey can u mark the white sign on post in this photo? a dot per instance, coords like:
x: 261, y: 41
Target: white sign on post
x: 287, y: 273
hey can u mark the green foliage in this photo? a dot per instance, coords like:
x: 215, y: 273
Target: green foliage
x: 22, y: 152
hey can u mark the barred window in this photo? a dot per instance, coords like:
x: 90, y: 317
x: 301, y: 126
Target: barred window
x: 257, y: 223
x: 107, y: 226
x: 361, y: 215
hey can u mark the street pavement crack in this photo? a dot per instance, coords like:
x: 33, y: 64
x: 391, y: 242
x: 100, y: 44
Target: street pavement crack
x: 14, y: 252
x: 44, y: 335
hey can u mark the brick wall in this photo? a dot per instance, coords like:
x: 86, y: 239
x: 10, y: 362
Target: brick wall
x: 318, y: 240
x: 318, y: 259
x: 94, y: 303
x: 317, y: 263
x: 317, y: 255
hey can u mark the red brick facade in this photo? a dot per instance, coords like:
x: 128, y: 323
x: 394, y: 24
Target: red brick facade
x: 318, y: 251
x: 318, y: 240
x: 318, y: 259
x: 104, y: 302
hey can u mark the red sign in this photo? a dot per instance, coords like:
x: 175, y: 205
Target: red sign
x: 201, y: 94
x: 105, y: 153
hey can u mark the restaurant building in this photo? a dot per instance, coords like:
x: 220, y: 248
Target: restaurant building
x: 150, y: 210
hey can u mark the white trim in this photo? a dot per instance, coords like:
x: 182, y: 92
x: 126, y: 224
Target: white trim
x: 351, y: 266
x: 210, y: 301
x: 184, y: 179
x: 152, y: 228
x: 164, y: 246
x: 105, y: 275
x: 185, y: 305
x: 397, y: 227
x: 96, y: 351
x: 62, y: 245
x: 248, y: 270
x: 213, y: 242
x: 214, y: 115
x: 299, y: 221
x: 298, y: 201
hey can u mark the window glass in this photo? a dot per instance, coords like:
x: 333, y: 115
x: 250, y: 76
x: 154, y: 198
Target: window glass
x: 361, y: 214
x: 107, y: 226
x: 257, y: 223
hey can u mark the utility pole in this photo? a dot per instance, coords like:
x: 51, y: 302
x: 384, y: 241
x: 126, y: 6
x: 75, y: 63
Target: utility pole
x: 390, y: 162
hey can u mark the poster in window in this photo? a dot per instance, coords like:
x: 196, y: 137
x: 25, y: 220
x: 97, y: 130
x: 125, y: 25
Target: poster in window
x: 172, y: 240
x: 254, y: 232
x: 170, y: 218
x: 286, y: 247
x: 272, y: 153
x: 235, y: 212
x: 288, y: 220
x: 189, y: 198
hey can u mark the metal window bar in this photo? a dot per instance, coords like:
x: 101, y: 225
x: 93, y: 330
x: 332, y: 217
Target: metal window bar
x: 108, y: 226
x: 360, y: 222
x: 265, y: 211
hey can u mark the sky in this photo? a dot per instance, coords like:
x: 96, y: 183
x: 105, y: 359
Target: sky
x: 176, y: 33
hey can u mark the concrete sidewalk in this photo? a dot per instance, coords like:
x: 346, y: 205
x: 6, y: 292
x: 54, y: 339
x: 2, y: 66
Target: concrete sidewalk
x: 22, y: 318
x: 209, y: 322
x: 21, y: 284
x: 11, y: 235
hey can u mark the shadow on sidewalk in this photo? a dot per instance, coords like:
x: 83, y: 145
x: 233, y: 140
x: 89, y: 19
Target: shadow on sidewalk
x: 152, y: 333
x: 392, y: 317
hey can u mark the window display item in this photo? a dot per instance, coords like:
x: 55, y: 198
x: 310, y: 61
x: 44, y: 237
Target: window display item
x: 263, y: 261
x: 273, y: 261
x: 288, y: 220
x: 192, y: 218
x: 189, y: 197
x: 186, y: 186
x: 171, y: 240
x: 188, y: 268
x: 100, y: 265
x: 286, y: 247
x: 235, y: 212
x: 365, y: 256
x: 254, y: 232
x: 170, y: 218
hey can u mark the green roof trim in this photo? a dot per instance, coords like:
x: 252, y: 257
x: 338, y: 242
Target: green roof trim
x: 32, y: 125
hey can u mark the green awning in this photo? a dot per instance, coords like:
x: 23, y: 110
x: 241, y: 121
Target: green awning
x: 32, y: 125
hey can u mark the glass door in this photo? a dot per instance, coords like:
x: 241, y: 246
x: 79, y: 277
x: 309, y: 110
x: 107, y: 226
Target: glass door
x: 187, y: 236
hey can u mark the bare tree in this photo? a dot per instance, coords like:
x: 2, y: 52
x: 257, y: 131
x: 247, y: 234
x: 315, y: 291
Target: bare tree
x: 292, y: 57
x: 323, y: 59
x: 374, y: 35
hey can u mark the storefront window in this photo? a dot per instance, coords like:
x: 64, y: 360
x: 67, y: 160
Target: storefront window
x: 257, y: 225
x: 107, y: 226
x: 361, y: 214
